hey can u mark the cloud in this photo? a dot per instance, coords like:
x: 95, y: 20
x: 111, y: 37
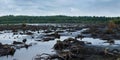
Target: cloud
x: 60, y: 7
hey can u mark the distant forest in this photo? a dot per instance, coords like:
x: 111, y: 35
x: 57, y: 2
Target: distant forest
x: 11, y: 19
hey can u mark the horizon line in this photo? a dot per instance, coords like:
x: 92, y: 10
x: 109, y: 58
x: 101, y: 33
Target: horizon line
x: 62, y: 15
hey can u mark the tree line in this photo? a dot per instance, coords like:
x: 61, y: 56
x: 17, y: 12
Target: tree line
x: 11, y: 19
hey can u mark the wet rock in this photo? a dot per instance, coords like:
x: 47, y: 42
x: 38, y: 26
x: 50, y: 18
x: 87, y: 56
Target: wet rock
x: 38, y: 40
x: 15, y: 42
x: 86, y: 32
x: 59, y: 31
x: 48, y: 31
x: 24, y: 40
x: 0, y: 44
x: 29, y: 33
x: 56, y: 35
x: 79, y: 36
x: 111, y: 41
x: 47, y: 38
x: 21, y: 33
x: 59, y: 45
x: 14, y: 30
x: 6, y: 50
x: 80, y: 49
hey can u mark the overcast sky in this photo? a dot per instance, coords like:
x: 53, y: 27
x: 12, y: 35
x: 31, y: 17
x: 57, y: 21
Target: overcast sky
x: 60, y: 7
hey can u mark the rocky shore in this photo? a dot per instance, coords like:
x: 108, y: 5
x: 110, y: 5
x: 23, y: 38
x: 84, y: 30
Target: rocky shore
x: 72, y: 49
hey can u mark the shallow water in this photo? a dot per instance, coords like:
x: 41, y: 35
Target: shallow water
x: 39, y: 47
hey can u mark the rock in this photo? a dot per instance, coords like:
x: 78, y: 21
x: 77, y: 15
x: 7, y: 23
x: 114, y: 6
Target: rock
x: 15, y: 42
x: 59, y: 45
x: 6, y: 50
x: 79, y: 36
x: 102, y: 32
x: 48, y: 38
x: 47, y: 31
x: 56, y: 35
x: 24, y: 40
x: 0, y: 44
x: 22, y: 46
x: 80, y: 49
x: 29, y: 33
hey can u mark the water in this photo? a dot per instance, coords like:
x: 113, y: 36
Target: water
x: 39, y: 47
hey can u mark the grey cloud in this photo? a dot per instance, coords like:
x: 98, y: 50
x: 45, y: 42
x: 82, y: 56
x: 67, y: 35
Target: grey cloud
x: 60, y: 7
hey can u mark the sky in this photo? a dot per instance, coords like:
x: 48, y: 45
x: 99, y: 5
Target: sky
x: 60, y: 7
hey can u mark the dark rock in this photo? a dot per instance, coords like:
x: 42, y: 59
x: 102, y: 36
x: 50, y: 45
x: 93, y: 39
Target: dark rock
x: 59, y: 45
x: 22, y: 46
x: 29, y: 33
x: 79, y: 36
x: 48, y: 38
x: 6, y: 50
x: 24, y: 40
x: 48, y: 31
x: 15, y: 42
x: 56, y: 35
